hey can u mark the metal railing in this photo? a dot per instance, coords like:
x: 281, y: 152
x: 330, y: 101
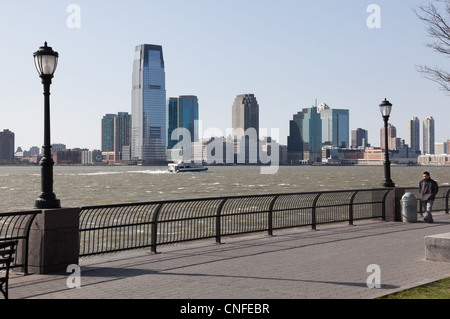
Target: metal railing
x: 113, y: 228
x: 441, y: 201
x: 16, y: 226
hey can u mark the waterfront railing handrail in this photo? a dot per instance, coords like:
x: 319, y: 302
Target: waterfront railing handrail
x: 16, y: 226
x: 110, y: 228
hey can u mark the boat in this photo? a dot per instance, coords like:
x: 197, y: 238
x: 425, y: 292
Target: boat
x: 186, y: 167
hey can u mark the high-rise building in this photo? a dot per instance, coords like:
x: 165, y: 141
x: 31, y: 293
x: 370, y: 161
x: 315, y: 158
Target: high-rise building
x: 183, y: 113
x: 305, y: 137
x: 108, y: 132
x: 245, y: 122
x: 122, y: 132
x: 148, y: 106
x: 428, y: 135
x: 335, y: 126
x: 393, y: 141
x: 360, y: 138
x: 116, y: 133
x: 414, y: 133
x: 7, y: 147
x: 440, y: 148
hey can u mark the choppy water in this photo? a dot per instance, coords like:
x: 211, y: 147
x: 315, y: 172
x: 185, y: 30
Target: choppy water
x: 85, y: 186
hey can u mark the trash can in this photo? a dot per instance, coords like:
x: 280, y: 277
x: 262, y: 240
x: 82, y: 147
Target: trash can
x: 409, y: 208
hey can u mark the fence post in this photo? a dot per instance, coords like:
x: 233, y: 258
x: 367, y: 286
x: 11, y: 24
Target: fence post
x: 154, y: 235
x: 270, y: 216
x: 383, y: 210
x: 54, y: 240
x: 313, y: 213
x: 350, y: 209
x: 218, y: 222
x: 446, y: 202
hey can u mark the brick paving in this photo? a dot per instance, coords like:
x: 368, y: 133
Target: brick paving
x: 300, y: 263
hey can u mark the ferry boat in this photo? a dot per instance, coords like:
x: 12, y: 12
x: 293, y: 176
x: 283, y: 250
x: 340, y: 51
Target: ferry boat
x: 186, y: 167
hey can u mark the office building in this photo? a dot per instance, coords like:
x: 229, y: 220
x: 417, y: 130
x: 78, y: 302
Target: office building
x: 108, y: 132
x: 122, y: 133
x: 335, y: 126
x: 414, y: 133
x: 182, y: 113
x: 428, y: 135
x: 245, y: 123
x: 360, y: 138
x: 440, y: 148
x: 116, y: 133
x: 305, y: 137
x: 393, y: 141
x: 148, y: 106
x: 7, y: 139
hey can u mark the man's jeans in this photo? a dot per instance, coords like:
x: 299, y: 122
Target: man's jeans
x: 427, y: 206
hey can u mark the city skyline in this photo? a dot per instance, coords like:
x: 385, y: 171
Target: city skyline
x: 298, y: 52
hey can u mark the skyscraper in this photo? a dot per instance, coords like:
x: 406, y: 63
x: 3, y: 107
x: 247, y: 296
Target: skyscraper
x: 7, y: 147
x: 148, y: 106
x: 360, y: 138
x: 183, y: 113
x: 428, y: 135
x: 245, y: 122
x: 108, y: 132
x: 335, y: 126
x: 122, y: 131
x: 305, y: 136
x: 414, y: 133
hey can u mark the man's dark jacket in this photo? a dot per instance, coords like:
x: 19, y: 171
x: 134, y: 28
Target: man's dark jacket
x: 428, y: 189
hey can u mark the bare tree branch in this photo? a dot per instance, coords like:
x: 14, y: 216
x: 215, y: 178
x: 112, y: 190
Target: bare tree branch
x: 438, y: 28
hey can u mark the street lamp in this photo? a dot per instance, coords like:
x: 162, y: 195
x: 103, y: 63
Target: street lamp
x: 385, y: 108
x: 46, y: 61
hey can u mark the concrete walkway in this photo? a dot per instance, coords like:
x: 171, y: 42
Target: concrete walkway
x: 301, y: 263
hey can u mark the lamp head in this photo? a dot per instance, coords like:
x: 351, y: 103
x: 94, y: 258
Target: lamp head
x: 385, y: 108
x: 46, y: 60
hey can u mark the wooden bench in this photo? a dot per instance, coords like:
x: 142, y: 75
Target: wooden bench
x: 7, y: 250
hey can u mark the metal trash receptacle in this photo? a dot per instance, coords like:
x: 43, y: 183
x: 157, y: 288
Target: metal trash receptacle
x: 409, y: 208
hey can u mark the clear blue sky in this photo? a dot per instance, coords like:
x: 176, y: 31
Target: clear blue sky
x: 288, y: 53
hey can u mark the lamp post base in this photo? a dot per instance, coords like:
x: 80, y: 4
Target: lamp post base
x: 47, y: 203
x: 388, y: 184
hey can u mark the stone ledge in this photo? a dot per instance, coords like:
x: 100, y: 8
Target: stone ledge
x: 437, y: 247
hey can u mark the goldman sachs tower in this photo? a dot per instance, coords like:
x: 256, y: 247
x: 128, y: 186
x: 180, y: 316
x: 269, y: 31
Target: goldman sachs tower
x: 148, y: 106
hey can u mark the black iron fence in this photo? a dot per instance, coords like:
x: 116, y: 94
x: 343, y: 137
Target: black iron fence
x: 114, y: 228
x: 16, y: 226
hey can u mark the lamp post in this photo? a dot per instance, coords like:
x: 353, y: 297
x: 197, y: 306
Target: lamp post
x: 385, y: 108
x: 46, y: 61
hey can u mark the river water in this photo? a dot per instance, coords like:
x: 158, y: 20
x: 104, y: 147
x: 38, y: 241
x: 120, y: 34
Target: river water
x: 79, y: 186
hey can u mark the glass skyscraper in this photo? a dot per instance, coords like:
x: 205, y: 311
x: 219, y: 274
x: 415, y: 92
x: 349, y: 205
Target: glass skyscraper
x: 335, y: 126
x: 148, y: 106
x: 305, y: 136
x: 108, y: 132
x: 183, y: 113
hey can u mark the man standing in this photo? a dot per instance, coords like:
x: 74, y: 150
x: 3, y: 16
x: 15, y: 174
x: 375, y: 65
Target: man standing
x: 428, y: 189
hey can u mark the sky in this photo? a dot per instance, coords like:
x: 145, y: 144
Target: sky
x: 289, y: 53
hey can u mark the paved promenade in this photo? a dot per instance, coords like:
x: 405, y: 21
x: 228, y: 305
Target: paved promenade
x: 294, y: 264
